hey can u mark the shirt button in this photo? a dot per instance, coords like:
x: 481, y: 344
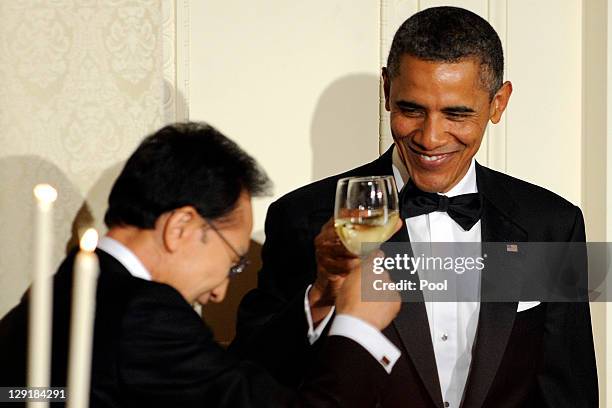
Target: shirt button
x: 446, y: 404
x: 444, y: 337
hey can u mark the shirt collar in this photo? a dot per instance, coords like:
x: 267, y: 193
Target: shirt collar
x: 126, y: 257
x: 466, y: 185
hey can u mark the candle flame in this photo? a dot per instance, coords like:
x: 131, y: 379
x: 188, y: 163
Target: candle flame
x: 45, y: 193
x: 89, y: 240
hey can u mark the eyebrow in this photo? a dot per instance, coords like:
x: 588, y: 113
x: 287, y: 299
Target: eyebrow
x: 409, y: 105
x: 459, y: 109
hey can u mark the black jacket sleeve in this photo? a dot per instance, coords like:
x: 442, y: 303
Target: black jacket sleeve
x: 568, y: 377
x: 168, y: 357
x: 271, y: 323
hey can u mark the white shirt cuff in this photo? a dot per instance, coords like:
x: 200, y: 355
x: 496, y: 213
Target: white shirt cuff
x: 369, y: 337
x: 314, y: 334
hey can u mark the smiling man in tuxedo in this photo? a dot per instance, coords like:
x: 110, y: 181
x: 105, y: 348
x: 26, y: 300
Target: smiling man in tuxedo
x: 443, y: 84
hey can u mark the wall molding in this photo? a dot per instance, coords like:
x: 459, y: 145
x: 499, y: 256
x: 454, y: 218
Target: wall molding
x: 176, y: 42
x: 183, y: 37
x: 169, y: 59
x: 392, y: 15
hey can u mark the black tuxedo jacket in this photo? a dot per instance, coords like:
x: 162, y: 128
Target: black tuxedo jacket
x: 541, y: 357
x: 151, y: 349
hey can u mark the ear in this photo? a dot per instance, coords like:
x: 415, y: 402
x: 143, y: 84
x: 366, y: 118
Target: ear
x: 177, y: 226
x: 386, y: 86
x: 500, y: 102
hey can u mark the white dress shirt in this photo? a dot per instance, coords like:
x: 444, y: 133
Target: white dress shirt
x: 363, y: 333
x: 125, y: 257
x: 452, y: 325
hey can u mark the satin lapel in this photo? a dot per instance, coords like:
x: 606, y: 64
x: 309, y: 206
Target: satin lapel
x: 496, y: 318
x: 412, y: 327
x: 383, y: 165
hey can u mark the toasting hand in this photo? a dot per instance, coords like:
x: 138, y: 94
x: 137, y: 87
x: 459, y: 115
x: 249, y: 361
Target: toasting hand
x: 334, y: 264
x: 349, y: 301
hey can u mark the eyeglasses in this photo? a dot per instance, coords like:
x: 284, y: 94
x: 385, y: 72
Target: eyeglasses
x: 243, y: 261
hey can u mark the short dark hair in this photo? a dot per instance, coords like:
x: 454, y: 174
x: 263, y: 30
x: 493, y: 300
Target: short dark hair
x: 180, y: 165
x: 450, y: 34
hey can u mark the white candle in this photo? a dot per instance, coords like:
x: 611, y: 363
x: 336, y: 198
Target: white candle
x: 41, y: 295
x: 86, y: 269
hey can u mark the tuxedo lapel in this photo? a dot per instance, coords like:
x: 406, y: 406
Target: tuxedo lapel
x: 412, y: 326
x: 383, y: 165
x: 496, y: 318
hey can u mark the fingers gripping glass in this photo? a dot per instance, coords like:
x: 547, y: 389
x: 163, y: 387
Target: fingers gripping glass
x: 243, y: 261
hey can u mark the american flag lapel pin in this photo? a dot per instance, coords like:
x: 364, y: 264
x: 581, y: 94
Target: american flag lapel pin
x: 511, y: 248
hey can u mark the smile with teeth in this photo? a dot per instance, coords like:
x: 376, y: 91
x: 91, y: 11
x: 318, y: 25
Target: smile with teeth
x: 433, y: 158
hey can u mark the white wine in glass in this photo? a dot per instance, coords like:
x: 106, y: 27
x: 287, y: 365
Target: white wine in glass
x: 366, y: 211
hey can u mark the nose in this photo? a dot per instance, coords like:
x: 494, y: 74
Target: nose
x: 218, y: 294
x: 431, y: 135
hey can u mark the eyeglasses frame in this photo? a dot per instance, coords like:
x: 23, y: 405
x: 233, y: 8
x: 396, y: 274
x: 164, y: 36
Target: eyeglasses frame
x: 243, y: 261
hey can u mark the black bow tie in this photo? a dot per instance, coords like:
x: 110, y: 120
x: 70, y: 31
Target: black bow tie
x: 464, y: 209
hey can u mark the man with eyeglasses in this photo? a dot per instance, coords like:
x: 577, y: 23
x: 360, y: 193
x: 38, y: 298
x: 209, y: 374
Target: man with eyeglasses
x: 179, y: 219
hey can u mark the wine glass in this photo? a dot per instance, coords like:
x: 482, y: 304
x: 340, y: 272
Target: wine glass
x: 366, y: 211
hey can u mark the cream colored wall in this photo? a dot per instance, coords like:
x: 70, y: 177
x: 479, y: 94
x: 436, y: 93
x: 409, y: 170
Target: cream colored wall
x: 82, y: 83
x: 295, y: 83
x: 594, y: 69
x: 545, y: 115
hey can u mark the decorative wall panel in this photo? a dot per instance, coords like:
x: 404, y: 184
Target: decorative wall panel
x: 81, y: 83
